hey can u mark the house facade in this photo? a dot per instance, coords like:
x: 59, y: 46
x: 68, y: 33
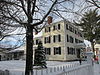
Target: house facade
x: 97, y: 49
x: 60, y: 39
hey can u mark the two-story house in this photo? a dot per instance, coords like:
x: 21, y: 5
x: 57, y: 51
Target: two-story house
x: 60, y: 39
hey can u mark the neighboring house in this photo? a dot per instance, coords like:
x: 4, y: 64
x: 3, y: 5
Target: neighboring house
x: 16, y: 54
x: 97, y: 49
x: 3, y: 55
x: 60, y: 39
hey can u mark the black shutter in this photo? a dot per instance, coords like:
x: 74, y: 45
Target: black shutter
x: 68, y: 50
x: 53, y: 27
x: 45, y: 40
x: 49, y: 29
x: 54, y: 51
x: 49, y: 39
x: 67, y: 38
x: 59, y: 26
x: 59, y: 38
x: 54, y: 38
x: 59, y: 50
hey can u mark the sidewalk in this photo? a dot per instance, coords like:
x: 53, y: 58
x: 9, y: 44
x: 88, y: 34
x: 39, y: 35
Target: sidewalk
x: 96, y: 69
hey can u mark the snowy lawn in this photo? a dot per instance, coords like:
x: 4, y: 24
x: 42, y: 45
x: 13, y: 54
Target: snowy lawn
x: 16, y: 66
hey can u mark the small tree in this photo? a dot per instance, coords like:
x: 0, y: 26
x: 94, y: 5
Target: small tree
x: 40, y: 58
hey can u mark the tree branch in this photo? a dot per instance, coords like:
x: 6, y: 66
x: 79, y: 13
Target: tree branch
x: 38, y: 23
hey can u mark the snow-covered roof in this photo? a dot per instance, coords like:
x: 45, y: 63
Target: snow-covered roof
x: 20, y: 49
x: 12, y: 51
x: 80, y: 45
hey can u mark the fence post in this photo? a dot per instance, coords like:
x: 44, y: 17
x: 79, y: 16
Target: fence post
x: 6, y: 72
x: 47, y: 71
x: 41, y: 72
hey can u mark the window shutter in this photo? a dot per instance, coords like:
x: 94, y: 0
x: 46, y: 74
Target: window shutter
x: 54, y: 51
x: 45, y: 40
x: 67, y: 38
x: 53, y: 27
x: 49, y: 29
x: 59, y: 38
x: 68, y: 50
x: 49, y: 39
x: 59, y: 50
x: 59, y: 26
x: 54, y: 38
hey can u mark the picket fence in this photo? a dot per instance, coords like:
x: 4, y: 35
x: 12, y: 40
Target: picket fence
x: 5, y: 72
x: 67, y: 69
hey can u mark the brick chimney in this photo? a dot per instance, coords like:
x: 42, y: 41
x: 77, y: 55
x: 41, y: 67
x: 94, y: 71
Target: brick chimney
x: 49, y: 19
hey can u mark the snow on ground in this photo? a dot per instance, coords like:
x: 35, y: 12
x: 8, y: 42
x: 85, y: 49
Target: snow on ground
x: 19, y: 65
x: 97, y: 69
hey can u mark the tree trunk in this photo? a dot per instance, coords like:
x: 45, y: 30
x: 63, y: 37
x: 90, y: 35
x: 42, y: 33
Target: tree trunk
x: 29, y: 51
x: 92, y: 44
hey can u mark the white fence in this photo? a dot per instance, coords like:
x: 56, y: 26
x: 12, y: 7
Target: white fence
x: 85, y: 69
x: 68, y: 69
x: 5, y: 72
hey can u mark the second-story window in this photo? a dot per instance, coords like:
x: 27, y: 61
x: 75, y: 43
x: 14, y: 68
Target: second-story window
x: 57, y: 38
x: 57, y: 27
x: 47, y: 29
x: 47, y: 39
x: 76, y: 40
x: 71, y: 39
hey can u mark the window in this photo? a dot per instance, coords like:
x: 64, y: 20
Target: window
x: 47, y: 29
x: 76, y: 40
x: 47, y: 39
x: 56, y: 27
x: 71, y: 39
x: 48, y: 51
x: 75, y: 32
x: 70, y: 28
x: 71, y: 50
x: 57, y: 38
x: 57, y: 50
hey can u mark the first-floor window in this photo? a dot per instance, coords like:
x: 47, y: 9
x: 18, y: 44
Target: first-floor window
x: 71, y: 50
x: 57, y: 50
x: 48, y: 51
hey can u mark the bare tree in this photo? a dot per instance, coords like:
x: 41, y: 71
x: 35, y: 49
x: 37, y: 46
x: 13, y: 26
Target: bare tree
x: 94, y: 2
x: 31, y: 14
